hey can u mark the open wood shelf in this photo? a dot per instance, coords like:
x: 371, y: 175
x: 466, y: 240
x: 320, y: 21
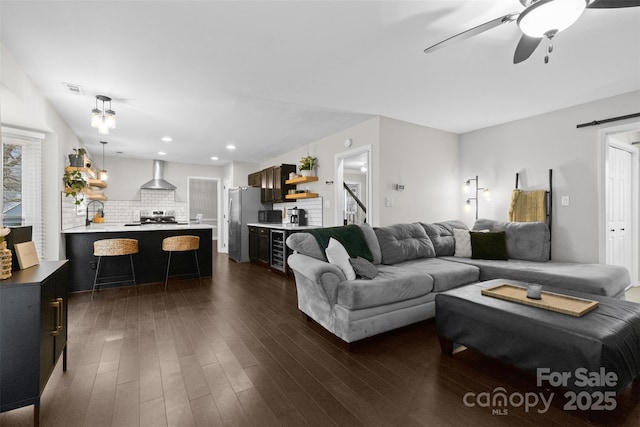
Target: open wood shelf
x: 301, y: 180
x: 301, y: 196
x: 97, y: 183
x: 89, y: 173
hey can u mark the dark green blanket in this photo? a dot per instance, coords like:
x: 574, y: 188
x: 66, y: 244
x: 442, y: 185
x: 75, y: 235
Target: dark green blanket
x: 351, y: 237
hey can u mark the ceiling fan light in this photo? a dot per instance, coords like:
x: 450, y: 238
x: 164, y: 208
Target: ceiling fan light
x: 548, y: 15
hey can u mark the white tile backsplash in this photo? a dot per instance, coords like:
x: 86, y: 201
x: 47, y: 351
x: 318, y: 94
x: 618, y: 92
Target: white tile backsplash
x: 312, y: 208
x: 122, y: 211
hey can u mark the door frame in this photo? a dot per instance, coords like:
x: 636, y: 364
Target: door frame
x: 219, y: 233
x: 604, y: 143
x: 339, y: 192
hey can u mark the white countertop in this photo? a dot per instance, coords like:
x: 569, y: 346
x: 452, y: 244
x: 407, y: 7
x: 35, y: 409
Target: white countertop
x: 279, y: 226
x: 111, y: 227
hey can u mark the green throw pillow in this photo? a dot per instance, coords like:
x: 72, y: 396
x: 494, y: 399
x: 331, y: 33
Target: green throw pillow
x: 489, y: 245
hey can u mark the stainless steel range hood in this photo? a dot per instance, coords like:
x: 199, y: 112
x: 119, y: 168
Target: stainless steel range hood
x: 158, y: 182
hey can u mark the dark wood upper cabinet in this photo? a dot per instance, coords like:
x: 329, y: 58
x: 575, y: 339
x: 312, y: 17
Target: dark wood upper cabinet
x: 255, y: 179
x: 273, y: 185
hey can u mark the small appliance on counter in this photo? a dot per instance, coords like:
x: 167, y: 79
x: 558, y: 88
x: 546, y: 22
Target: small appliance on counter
x: 297, y: 216
x: 270, y: 216
x: 157, y: 216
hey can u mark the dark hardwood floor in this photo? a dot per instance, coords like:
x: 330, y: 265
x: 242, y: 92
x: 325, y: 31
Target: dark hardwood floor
x: 236, y: 351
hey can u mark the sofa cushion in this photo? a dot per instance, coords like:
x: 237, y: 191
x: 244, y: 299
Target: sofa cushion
x: 392, y: 284
x: 306, y: 244
x: 338, y: 256
x: 363, y: 268
x: 598, y: 279
x: 462, y: 243
x: 529, y: 241
x: 490, y: 245
x: 441, y: 235
x: 404, y: 242
x: 446, y: 274
x: 372, y: 242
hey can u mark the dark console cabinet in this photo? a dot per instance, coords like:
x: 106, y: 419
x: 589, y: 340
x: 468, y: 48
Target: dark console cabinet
x: 33, y: 332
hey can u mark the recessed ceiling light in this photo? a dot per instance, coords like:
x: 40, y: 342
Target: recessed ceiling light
x: 231, y: 147
x: 214, y: 158
x: 166, y: 139
x: 162, y: 153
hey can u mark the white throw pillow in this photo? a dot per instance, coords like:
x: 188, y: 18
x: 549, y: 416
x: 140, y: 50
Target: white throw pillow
x: 463, y: 243
x: 338, y: 256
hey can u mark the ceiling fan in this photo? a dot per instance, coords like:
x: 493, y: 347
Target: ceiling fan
x: 540, y: 19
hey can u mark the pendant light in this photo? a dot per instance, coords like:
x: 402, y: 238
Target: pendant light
x: 104, y: 119
x: 103, y: 172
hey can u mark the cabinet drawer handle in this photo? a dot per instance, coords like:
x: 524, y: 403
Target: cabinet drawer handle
x: 58, y: 327
x: 60, y: 302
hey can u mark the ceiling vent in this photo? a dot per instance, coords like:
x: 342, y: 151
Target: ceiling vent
x: 74, y: 89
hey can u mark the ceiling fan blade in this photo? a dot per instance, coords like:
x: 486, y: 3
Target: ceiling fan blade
x: 613, y: 4
x: 526, y: 46
x: 473, y: 31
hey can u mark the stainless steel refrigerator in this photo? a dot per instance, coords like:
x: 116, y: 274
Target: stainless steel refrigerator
x: 244, y: 204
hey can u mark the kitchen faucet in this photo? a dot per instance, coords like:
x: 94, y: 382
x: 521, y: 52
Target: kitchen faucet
x: 87, y: 221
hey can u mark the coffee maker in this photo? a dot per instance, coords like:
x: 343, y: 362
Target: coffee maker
x: 297, y: 216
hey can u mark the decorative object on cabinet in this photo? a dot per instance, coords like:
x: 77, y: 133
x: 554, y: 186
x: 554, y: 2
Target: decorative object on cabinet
x: 27, y: 255
x: 307, y: 165
x: 6, y: 257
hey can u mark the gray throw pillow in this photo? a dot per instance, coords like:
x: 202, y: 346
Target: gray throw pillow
x: 363, y: 268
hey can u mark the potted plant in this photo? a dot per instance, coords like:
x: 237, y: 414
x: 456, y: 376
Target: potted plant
x: 307, y: 165
x: 77, y: 158
x: 74, y: 184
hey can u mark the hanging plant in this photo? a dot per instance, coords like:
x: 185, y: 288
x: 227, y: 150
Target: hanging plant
x: 74, y: 184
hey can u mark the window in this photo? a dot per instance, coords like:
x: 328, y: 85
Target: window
x: 22, y: 181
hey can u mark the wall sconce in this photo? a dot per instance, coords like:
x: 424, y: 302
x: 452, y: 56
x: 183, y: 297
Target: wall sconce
x: 104, y: 119
x: 485, y: 192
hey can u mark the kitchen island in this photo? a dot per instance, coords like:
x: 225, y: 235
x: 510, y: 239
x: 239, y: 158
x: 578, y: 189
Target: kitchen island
x: 150, y: 261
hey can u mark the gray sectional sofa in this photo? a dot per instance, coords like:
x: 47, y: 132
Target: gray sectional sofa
x: 416, y: 261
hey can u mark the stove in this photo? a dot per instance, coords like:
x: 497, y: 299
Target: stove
x: 157, y: 216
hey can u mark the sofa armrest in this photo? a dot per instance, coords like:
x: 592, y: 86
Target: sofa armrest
x: 318, y: 273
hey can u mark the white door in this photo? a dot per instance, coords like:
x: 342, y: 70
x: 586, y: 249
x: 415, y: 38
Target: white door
x: 619, y: 249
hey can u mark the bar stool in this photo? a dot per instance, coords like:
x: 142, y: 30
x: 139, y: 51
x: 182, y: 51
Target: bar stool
x: 110, y: 248
x: 181, y: 244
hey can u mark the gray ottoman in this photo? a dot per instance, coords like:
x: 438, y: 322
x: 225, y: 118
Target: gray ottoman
x: 531, y: 338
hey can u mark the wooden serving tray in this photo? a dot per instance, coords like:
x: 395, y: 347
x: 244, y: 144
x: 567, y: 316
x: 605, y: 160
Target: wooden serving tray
x: 552, y: 301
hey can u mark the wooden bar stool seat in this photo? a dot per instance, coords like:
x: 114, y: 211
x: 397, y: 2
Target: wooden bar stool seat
x: 112, y: 248
x: 181, y: 244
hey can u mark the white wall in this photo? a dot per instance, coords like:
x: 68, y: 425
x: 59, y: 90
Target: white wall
x: 325, y: 150
x: 127, y: 175
x: 22, y: 105
x: 534, y: 145
x: 425, y: 161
